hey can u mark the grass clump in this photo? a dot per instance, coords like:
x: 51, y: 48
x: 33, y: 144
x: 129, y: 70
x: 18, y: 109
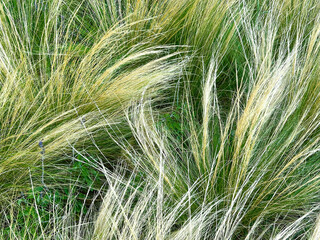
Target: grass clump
x: 159, y: 120
x: 63, y: 91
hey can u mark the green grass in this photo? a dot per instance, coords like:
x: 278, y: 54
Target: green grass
x: 159, y: 119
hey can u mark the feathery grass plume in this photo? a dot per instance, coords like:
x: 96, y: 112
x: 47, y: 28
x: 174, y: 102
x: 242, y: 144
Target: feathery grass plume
x: 196, y: 25
x: 145, y: 211
x: 50, y: 80
x: 261, y: 159
x: 236, y: 161
x: 133, y: 208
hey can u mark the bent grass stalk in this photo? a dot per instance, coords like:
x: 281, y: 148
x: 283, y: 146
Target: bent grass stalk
x: 236, y: 158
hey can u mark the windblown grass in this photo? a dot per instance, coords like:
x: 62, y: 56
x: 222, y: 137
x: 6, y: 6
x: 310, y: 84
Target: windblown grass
x: 258, y: 159
x: 202, y: 116
x: 62, y: 92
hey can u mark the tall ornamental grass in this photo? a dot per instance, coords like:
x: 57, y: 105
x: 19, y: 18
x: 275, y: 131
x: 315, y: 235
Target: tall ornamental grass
x: 201, y: 118
x: 58, y: 89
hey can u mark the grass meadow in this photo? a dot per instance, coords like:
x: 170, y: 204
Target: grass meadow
x: 156, y: 120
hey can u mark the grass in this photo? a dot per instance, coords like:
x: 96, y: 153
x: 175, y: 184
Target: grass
x: 66, y: 93
x: 159, y: 120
